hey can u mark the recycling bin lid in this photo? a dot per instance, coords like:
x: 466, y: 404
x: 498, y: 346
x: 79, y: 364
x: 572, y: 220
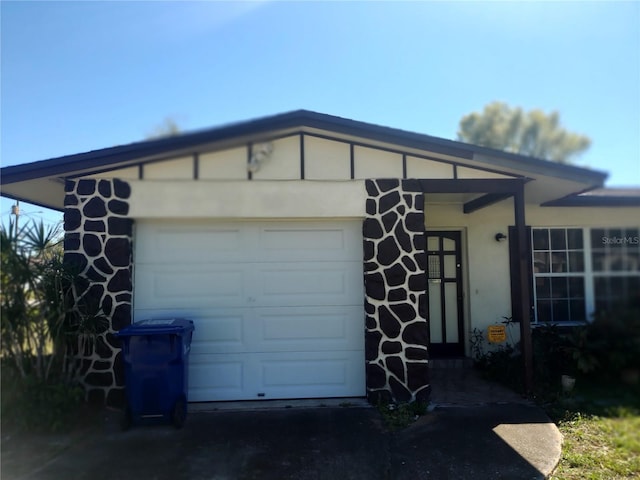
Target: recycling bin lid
x: 157, y: 326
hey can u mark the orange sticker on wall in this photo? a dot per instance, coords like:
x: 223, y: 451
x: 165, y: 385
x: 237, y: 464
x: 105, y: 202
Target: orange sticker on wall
x: 497, y: 333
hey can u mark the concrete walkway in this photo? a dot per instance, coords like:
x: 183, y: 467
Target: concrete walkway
x: 466, y: 437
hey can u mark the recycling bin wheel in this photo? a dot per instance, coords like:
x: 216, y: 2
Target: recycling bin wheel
x: 179, y: 414
x: 127, y: 418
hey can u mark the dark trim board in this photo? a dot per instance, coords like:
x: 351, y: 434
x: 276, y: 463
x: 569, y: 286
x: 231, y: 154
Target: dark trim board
x: 484, y: 201
x: 302, y: 156
x: 352, y: 160
x: 594, y: 201
x: 473, y: 185
x: 514, y: 274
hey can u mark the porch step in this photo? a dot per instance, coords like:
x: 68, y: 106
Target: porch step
x: 451, y: 363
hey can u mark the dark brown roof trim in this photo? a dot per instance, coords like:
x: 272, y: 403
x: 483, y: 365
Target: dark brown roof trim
x: 104, y: 158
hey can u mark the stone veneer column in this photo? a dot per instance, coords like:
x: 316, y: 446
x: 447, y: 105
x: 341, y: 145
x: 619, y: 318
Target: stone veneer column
x: 98, y: 244
x: 397, y: 332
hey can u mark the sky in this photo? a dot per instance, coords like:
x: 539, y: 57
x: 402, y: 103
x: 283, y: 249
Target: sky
x: 79, y: 76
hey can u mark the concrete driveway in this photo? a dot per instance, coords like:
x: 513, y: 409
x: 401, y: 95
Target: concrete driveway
x: 508, y: 441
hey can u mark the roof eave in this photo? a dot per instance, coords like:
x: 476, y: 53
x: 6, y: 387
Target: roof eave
x: 120, y: 155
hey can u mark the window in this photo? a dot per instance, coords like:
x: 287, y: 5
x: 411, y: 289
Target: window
x: 578, y: 271
x: 615, y: 256
x: 558, y: 270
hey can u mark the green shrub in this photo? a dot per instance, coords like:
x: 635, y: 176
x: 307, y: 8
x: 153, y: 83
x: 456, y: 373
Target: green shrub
x: 614, y: 339
x: 36, y: 405
x: 398, y: 416
x: 503, y: 365
x: 599, y: 351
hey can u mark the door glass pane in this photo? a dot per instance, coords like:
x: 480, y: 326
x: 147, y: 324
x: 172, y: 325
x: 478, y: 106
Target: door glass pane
x: 434, y: 266
x: 432, y: 243
x: 451, y: 305
x: 450, y: 266
x: 435, y: 313
x: 448, y: 244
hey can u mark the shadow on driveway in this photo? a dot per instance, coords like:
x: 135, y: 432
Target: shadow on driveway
x: 497, y: 441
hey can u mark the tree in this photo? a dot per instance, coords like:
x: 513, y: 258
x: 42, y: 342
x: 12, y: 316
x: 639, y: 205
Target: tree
x: 533, y: 133
x: 168, y: 128
x: 43, y: 326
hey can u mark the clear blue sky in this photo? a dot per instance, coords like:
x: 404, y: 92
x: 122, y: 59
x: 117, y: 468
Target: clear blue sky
x: 78, y: 76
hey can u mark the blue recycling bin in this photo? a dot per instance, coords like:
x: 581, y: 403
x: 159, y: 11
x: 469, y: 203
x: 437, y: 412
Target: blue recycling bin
x: 156, y: 361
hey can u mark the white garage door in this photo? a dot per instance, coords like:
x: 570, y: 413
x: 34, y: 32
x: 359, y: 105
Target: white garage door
x: 277, y: 306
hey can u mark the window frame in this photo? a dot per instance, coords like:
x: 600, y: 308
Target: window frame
x: 588, y: 273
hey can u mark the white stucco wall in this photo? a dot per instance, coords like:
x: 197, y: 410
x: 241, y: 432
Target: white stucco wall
x: 174, y: 169
x: 129, y: 173
x: 243, y: 199
x: 421, y: 168
x: 326, y: 159
x: 284, y: 161
x: 374, y: 163
x: 225, y: 165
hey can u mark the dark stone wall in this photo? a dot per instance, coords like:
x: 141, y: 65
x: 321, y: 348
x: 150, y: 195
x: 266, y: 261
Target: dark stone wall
x: 98, y: 246
x: 396, y: 330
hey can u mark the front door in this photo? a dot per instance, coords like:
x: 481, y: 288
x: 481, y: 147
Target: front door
x: 444, y: 276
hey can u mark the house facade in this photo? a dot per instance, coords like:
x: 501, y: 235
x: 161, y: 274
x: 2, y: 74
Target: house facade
x: 324, y: 257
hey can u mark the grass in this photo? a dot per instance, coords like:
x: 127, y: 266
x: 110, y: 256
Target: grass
x: 399, y: 416
x: 601, y: 429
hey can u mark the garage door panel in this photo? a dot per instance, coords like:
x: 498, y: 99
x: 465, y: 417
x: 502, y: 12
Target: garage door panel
x: 285, y: 326
x: 309, y: 329
x: 166, y: 286
x: 312, y: 374
x: 219, y: 330
x: 327, y: 283
x: 192, y: 243
x: 215, y: 377
x: 221, y: 333
x: 309, y: 242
